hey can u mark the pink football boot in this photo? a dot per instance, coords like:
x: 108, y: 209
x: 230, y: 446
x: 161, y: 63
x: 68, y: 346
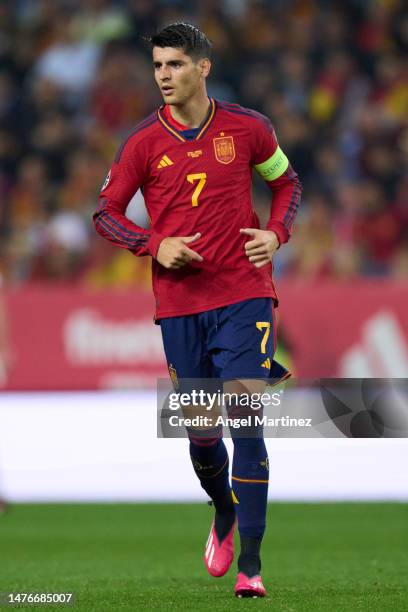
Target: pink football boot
x: 218, y: 557
x: 249, y: 587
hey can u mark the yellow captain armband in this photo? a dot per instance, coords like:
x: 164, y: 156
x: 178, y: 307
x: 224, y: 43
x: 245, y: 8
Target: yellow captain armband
x: 273, y: 167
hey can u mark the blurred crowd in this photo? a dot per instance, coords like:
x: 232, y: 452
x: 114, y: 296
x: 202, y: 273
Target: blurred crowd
x: 76, y: 75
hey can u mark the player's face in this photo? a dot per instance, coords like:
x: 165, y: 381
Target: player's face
x: 178, y: 76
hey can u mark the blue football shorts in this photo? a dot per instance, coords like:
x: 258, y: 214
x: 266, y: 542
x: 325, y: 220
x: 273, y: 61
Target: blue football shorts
x: 237, y: 341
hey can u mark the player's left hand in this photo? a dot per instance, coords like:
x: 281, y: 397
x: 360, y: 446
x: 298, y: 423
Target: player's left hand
x: 261, y: 248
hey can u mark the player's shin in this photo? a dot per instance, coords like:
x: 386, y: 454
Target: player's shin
x: 210, y: 461
x: 250, y: 479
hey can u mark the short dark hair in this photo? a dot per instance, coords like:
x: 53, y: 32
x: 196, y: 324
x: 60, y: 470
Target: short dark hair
x: 183, y: 36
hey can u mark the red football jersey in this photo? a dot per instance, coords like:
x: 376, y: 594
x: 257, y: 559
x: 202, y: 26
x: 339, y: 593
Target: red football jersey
x: 200, y: 181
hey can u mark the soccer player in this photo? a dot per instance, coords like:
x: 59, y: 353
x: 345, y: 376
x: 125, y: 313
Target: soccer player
x: 212, y: 266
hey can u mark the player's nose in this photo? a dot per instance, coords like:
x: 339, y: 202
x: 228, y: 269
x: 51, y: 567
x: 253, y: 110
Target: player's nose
x: 164, y: 74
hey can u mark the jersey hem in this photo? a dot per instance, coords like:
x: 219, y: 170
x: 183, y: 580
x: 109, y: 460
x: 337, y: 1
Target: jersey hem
x: 211, y: 306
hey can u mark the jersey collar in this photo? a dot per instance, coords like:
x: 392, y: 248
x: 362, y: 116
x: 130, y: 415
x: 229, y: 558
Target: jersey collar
x: 179, y: 133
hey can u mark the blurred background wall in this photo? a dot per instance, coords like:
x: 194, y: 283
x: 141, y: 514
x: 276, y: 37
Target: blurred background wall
x: 76, y: 313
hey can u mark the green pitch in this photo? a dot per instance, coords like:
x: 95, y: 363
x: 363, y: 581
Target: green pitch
x: 316, y: 557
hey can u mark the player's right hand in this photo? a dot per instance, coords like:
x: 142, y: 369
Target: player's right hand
x: 174, y: 253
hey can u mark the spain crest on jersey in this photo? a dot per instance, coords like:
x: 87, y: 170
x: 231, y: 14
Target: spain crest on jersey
x: 224, y: 149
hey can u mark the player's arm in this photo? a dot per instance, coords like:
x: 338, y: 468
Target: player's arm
x: 286, y: 189
x: 126, y: 176
x: 274, y: 167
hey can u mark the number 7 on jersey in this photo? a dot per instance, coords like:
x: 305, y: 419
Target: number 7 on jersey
x: 201, y: 177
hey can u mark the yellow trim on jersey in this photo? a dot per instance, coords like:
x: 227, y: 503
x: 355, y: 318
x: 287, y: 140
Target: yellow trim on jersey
x: 168, y: 127
x: 207, y: 123
x: 274, y: 167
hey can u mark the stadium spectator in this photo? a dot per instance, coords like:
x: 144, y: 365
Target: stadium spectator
x: 69, y: 61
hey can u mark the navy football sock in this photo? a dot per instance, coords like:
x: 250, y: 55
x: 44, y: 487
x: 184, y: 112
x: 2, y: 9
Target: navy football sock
x: 250, y: 478
x: 210, y: 461
x: 249, y: 561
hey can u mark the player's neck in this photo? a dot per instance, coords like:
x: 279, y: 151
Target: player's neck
x: 193, y: 112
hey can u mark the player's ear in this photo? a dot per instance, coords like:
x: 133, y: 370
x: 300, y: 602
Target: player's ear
x: 205, y: 66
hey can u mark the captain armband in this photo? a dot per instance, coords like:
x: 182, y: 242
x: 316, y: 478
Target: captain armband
x: 274, y: 167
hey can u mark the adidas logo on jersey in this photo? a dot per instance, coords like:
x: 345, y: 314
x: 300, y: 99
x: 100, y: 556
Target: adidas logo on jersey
x: 267, y: 364
x: 164, y: 162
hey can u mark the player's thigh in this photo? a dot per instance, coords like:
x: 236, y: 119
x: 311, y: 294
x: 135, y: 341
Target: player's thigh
x: 244, y: 344
x: 184, y: 347
x: 190, y: 366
